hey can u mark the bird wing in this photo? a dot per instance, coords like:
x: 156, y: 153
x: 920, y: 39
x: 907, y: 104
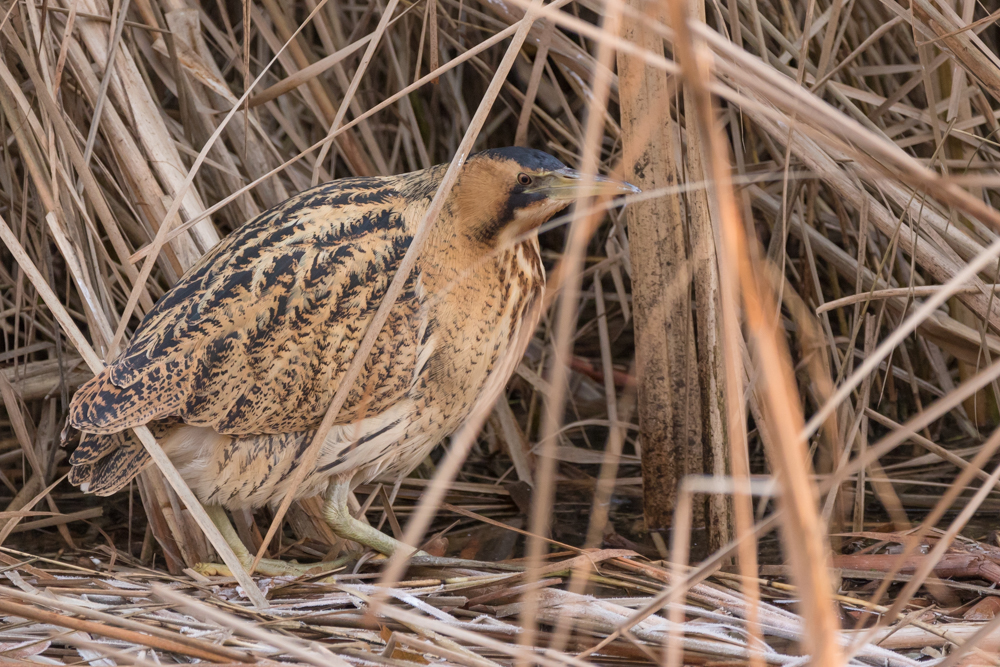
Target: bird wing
x: 255, y: 337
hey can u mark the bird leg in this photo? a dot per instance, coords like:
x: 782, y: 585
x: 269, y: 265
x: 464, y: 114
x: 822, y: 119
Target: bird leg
x: 268, y: 566
x: 343, y: 523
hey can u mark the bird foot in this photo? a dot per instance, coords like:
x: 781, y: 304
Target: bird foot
x: 270, y: 567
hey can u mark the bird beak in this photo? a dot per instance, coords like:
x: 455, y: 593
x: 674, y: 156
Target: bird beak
x: 569, y: 184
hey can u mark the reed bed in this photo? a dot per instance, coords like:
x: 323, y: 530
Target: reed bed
x: 758, y: 422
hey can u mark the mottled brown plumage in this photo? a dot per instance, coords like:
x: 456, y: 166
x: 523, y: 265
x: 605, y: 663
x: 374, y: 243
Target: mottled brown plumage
x: 236, y: 365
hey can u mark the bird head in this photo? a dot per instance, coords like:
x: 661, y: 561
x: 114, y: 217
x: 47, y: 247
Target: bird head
x: 505, y: 193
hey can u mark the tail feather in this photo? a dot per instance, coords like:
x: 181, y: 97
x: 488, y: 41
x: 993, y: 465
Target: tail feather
x: 114, y: 472
x: 103, y: 464
x: 93, y: 446
x: 80, y: 476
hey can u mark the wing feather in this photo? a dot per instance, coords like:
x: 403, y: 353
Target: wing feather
x: 254, y: 338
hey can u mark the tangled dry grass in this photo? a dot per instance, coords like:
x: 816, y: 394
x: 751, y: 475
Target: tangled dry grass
x: 814, y: 259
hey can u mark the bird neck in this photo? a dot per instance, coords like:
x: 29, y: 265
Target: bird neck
x: 474, y: 225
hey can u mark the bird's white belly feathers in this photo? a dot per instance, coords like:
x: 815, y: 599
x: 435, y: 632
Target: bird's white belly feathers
x: 250, y: 472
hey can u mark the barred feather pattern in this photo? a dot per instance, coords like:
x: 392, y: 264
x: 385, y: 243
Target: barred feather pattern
x: 236, y: 365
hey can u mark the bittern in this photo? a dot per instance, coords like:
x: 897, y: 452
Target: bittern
x: 235, y: 367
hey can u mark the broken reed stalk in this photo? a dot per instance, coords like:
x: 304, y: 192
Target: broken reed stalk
x: 721, y: 458
x: 669, y: 396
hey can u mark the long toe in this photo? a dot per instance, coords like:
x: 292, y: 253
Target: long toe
x: 213, y: 570
x: 270, y: 567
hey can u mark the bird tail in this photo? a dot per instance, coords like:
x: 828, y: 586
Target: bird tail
x: 103, y: 464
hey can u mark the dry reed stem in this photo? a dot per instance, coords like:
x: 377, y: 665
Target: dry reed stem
x: 355, y: 82
x: 716, y: 307
x: 804, y: 532
x: 582, y: 227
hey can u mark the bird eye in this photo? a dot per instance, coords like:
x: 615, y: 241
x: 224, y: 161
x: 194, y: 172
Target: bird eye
x: 524, y: 179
